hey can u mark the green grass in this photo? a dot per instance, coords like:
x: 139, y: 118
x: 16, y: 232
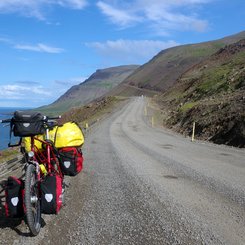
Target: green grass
x: 187, y: 106
x: 89, y: 113
x: 59, y: 108
x: 199, y: 52
x: 217, y: 79
x: 239, y: 59
x: 214, y: 81
x: 240, y: 82
x: 218, y: 45
x: 107, y: 85
x: 174, y: 94
x: 202, y: 50
x: 8, y: 154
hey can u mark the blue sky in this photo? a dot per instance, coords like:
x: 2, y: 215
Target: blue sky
x: 46, y: 46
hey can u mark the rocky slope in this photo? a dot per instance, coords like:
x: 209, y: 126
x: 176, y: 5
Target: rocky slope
x: 212, y: 94
x: 163, y: 70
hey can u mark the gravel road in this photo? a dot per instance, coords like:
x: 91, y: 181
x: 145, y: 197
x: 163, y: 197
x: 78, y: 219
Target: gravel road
x: 144, y: 185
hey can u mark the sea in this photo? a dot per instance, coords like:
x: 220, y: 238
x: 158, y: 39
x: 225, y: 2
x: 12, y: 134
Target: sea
x: 6, y: 113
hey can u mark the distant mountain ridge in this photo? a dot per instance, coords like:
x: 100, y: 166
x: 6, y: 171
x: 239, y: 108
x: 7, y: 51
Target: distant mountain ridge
x: 154, y: 77
x: 97, y: 85
x: 202, y: 83
x: 163, y: 70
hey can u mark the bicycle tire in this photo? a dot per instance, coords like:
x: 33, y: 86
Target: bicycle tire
x: 32, y: 200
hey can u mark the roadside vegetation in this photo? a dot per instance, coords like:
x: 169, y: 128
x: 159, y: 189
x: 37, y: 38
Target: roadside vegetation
x: 202, y: 83
x: 8, y: 154
x: 92, y: 112
x: 212, y: 94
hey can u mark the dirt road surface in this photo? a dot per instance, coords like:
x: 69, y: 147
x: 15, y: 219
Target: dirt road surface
x: 145, y: 185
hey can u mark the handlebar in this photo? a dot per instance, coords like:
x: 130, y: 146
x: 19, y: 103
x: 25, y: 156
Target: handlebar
x: 45, y: 118
x: 5, y: 121
x: 48, y: 119
x: 50, y: 122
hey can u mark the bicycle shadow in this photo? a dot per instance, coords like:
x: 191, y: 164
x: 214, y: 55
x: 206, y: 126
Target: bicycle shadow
x: 12, y: 223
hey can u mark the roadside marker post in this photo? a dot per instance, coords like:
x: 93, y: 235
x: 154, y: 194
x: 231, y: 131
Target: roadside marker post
x: 152, y: 121
x: 193, y: 131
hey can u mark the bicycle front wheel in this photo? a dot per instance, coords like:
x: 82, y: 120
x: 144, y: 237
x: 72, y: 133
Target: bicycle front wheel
x: 32, y: 200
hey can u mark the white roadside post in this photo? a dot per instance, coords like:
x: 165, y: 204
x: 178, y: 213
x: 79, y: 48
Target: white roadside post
x: 193, y: 131
x: 152, y: 121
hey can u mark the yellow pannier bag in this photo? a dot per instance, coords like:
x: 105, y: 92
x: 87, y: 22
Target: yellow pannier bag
x: 27, y: 142
x: 69, y: 134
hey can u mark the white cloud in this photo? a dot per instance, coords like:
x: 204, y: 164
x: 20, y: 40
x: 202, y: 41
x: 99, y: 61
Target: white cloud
x: 36, y: 8
x: 16, y: 91
x: 134, y: 51
x: 118, y: 16
x: 75, y: 4
x: 40, y: 47
x: 17, y: 94
x: 5, y: 40
x: 163, y: 15
x: 179, y: 22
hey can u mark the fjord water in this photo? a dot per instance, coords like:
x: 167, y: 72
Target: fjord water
x: 5, y: 113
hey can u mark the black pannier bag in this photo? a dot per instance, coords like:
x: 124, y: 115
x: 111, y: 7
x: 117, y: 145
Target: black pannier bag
x: 51, y: 194
x: 26, y: 124
x: 14, y: 193
x: 71, y: 160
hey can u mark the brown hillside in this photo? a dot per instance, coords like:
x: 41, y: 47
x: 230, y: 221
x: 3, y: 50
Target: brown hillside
x: 212, y: 94
x: 161, y: 72
x: 96, y: 86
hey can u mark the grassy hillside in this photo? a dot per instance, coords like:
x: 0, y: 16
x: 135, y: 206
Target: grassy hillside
x: 91, y: 112
x: 162, y: 71
x: 97, y: 85
x: 202, y: 83
x: 212, y: 94
x: 154, y: 77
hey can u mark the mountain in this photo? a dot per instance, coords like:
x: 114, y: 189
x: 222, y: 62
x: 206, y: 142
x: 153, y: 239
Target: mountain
x: 163, y: 70
x: 201, y: 83
x: 154, y: 77
x: 97, y: 85
x: 211, y: 94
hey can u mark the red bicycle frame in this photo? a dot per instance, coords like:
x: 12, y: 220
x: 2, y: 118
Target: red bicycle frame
x: 47, y: 155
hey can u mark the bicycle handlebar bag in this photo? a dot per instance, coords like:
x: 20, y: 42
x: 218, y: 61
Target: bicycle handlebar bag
x: 27, y: 123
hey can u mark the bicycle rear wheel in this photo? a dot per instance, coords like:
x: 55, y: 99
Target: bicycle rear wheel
x: 32, y: 200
